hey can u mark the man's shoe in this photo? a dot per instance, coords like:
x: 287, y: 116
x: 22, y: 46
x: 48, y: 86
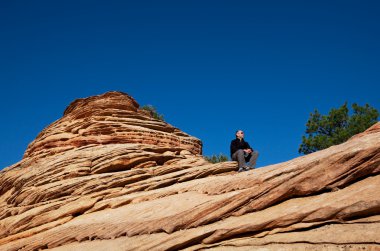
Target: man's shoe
x: 241, y: 170
x: 249, y: 168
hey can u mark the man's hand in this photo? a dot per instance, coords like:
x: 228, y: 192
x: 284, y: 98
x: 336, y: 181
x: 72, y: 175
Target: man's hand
x: 247, y: 151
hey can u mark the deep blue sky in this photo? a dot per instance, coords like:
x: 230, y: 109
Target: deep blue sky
x: 210, y: 67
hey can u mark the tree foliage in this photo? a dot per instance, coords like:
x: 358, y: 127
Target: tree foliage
x: 216, y: 158
x: 323, y: 131
x: 153, y: 112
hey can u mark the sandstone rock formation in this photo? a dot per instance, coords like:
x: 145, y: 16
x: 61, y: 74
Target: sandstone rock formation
x: 107, y: 176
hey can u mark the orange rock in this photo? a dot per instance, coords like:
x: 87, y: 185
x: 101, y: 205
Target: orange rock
x: 107, y: 176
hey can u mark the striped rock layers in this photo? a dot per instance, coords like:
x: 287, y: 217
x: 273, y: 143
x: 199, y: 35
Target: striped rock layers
x: 108, y: 176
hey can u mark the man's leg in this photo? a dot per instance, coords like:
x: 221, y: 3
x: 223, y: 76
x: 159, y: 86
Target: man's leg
x: 253, y: 159
x: 239, y: 157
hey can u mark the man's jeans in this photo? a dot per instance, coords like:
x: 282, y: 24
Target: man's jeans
x: 239, y: 157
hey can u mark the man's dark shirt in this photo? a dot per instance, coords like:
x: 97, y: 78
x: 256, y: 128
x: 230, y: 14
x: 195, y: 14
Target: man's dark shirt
x: 237, y: 144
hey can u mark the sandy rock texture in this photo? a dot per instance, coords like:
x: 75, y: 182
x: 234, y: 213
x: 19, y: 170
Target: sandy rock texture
x: 108, y: 176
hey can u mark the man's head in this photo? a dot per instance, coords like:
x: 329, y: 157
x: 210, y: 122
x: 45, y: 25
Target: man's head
x: 239, y: 134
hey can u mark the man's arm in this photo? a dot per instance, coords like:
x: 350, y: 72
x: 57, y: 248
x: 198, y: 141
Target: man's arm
x: 233, y: 147
x: 247, y: 146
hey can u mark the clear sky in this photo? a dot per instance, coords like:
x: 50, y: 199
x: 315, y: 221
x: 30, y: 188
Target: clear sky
x: 211, y: 67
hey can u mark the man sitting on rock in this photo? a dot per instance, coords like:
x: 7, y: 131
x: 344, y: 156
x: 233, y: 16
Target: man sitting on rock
x: 243, y: 153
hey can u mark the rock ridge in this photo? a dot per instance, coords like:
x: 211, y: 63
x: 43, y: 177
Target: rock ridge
x: 110, y: 118
x: 107, y: 176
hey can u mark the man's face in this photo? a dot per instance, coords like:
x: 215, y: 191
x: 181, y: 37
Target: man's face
x: 240, y: 134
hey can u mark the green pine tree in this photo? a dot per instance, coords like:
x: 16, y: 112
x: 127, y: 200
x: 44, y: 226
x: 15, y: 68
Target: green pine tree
x: 323, y: 131
x: 153, y: 112
x: 216, y: 158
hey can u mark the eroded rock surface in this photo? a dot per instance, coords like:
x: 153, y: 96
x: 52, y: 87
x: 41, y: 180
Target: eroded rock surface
x: 107, y: 176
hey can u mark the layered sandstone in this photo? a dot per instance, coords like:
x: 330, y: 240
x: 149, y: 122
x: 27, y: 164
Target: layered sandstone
x: 111, y: 118
x: 107, y: 176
